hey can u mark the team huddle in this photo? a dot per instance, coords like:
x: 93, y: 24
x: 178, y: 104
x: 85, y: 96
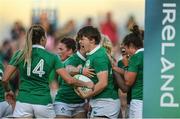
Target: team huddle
x: 88, y: 56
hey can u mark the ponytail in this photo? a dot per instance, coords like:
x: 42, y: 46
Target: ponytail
x: 139, y: 33
x: 33, y: 36
x: 106, y: 43
x: 27, y: 51
x: 135, y: 38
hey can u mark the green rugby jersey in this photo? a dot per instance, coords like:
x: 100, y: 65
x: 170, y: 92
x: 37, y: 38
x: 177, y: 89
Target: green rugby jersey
x: 97, y: 59
x: 1, y: 87
x: 34, y: 83
x: 120, y: 64
x: 66, y: 92
x: 136, y: 65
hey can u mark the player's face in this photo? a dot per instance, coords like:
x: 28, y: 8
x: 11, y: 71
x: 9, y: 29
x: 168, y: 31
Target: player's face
x: 63, y: 51
x: 82, y: 51
x: 129, y: 50
x: 84, y: 43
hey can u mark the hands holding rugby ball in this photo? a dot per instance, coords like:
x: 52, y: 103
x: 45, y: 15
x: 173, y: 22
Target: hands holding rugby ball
x: 84, y: 92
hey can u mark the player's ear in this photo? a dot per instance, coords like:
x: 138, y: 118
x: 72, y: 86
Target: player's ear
x: 70, y: 51
x: 43, y: 41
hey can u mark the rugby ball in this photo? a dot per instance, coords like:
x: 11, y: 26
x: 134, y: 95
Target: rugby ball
x: 82, y: 78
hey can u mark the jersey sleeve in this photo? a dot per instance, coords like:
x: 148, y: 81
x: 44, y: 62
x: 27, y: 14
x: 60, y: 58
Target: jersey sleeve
x: 15, y: 59
x: 120, y: 64
x: 58, y: 62
x: 101, y: 64
x: 133, y: 64
x: 72, y: 61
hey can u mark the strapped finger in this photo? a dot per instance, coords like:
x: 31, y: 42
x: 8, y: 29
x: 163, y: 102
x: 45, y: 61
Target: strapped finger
x: 91, y: 69
x: 89, y: 75
x: 92, y: 73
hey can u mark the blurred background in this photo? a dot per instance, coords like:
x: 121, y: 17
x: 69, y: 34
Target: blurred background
x: 61, y: 18
x: 75, y: 12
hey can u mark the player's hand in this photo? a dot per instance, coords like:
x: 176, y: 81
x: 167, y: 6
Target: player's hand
x: 10, y: 98
x: 84, y: 94
x: 88, y: 72
x: 9, y: 95
x: 115, y: 68
x: 90, y: 85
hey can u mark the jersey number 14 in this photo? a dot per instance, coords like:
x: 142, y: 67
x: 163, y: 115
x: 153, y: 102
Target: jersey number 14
x: 38, y: 68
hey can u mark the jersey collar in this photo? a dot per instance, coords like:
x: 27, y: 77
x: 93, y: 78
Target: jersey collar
x: 94, y: 50
x: 66, y: 59
x: 38, y: 46
x: 139, y: 50
x: 82, y: 57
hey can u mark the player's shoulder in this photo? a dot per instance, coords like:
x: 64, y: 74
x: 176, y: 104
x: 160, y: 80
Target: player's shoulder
x: 17, y: 53
x: 48, y: 53
x: 137, y: 56
x: 101, y: 52
x: 74, y: 57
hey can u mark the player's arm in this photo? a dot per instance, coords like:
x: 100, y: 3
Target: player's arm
x: 118, y: 70
x: 99, y: 86
x: 72, y: 70
x: 130, y: 78
x: 80, y: 70
x: 101, y: 68
x: 72, y: 81
x: 9, y: 95
x: 102, y: 83
x: 131, y: 74
x: 121, y: 82
x: 9, y: 70
x: 67, y: 77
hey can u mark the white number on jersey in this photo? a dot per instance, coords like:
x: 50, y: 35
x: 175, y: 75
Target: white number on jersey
x: 39, y: 68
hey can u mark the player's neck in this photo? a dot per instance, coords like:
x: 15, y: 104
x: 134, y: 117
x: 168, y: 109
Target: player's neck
x: 92, y: 47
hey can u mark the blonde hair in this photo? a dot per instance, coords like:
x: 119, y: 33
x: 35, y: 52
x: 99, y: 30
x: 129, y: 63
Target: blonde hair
x: 106, y: 43
x: 33, y: 36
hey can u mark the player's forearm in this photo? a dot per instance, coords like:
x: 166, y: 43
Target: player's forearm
x: 6, y: 77
x: 121, y: 82
x: 5, y: 83
x: 65, y: 76
x: 119, y: 70
x: 6, y: 86
x: 70, y: 80
x: 72, y: 70
x: 101, y: 84
x: 98, y: 88
x: 78, y: 83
